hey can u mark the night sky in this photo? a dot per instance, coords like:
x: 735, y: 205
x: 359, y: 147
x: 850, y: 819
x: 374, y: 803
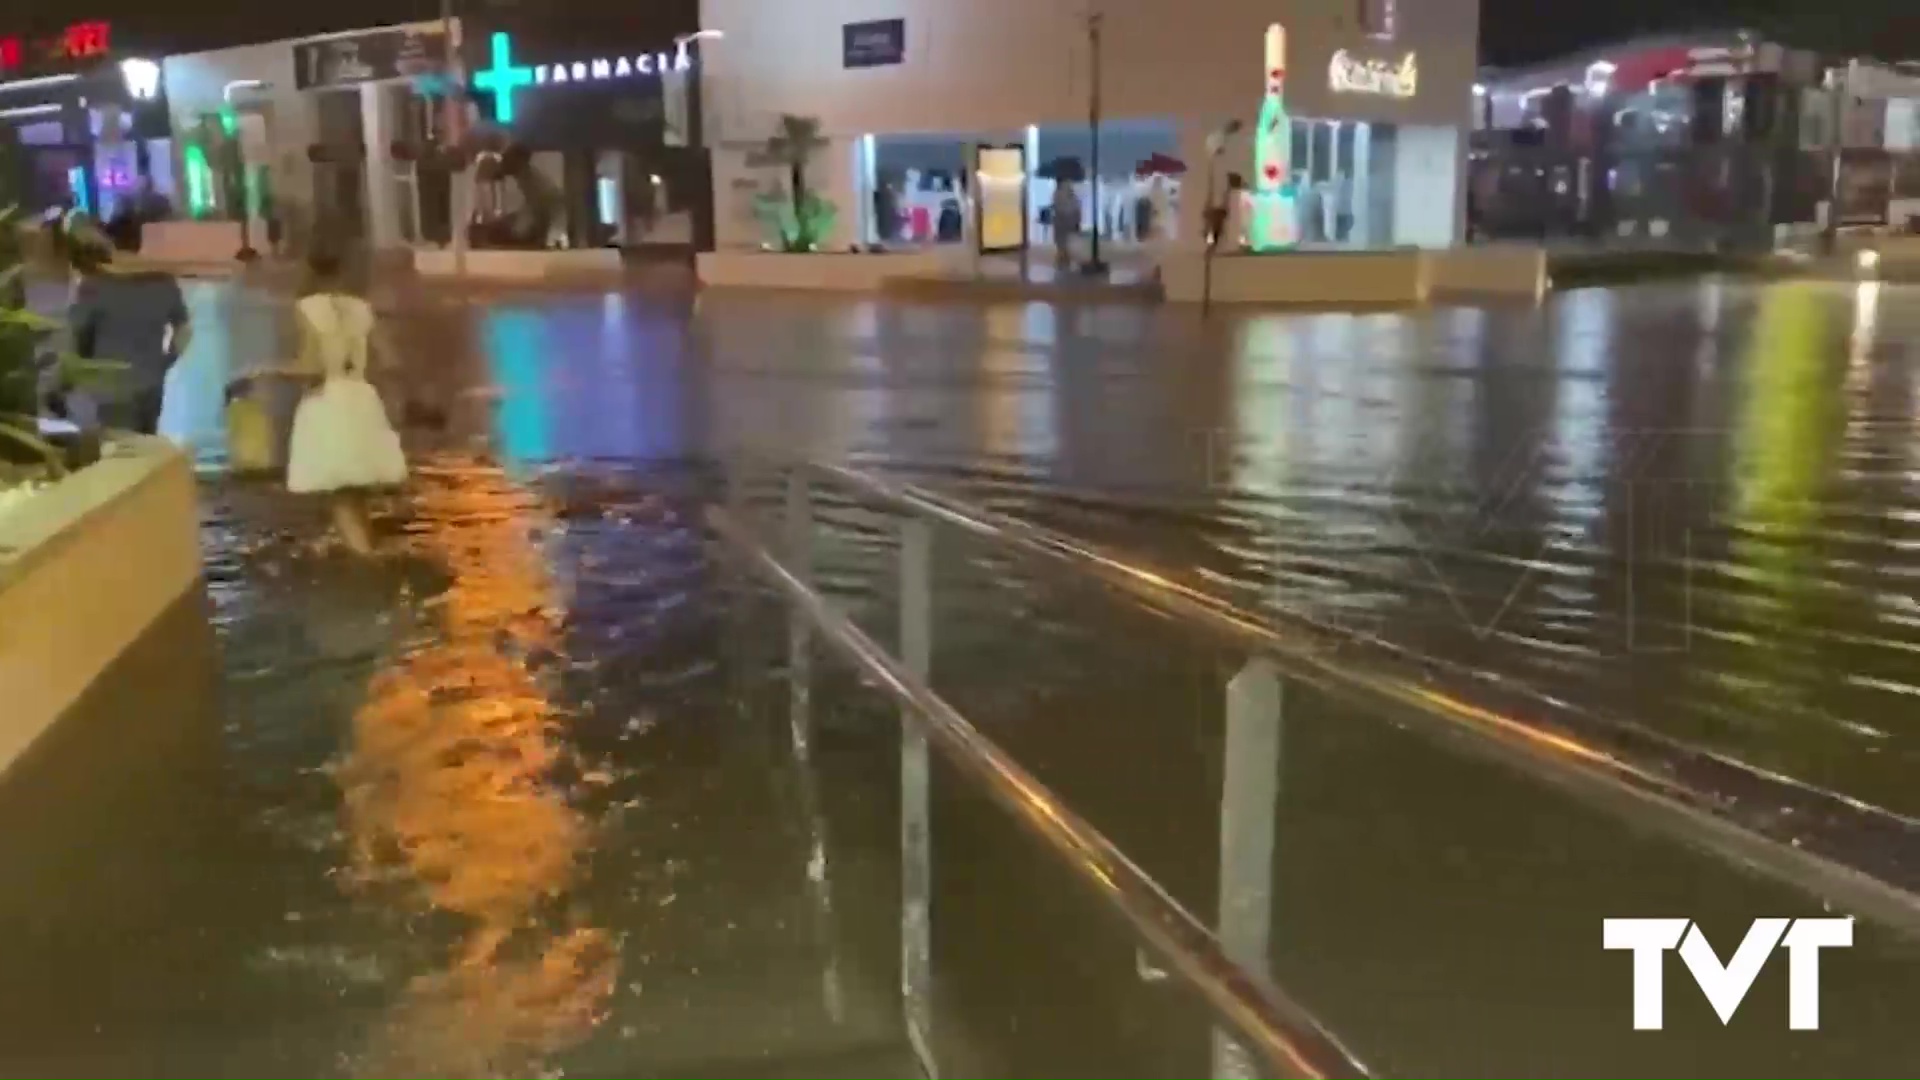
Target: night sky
x: 1512, y: 31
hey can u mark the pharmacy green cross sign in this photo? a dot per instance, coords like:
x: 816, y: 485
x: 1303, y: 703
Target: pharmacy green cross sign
x: 503, y: 78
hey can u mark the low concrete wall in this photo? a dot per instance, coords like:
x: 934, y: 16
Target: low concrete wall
x: 1326, y: 278
x: 1506, y: 270
x: 828, y: 271
x: 521, y: 265
x: 85, y: 567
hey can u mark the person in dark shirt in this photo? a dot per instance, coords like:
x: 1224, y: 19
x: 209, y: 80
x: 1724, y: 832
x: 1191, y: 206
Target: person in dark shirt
x: 137, y: 318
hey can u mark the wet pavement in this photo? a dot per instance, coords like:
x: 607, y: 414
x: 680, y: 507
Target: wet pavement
x: 519, y: 800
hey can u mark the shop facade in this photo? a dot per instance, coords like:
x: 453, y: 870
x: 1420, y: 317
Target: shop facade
x: 319, y: 134
x: 585, y: 132
x: 1352, y: 118
x: 1695, y: 140
x: 90, y: 121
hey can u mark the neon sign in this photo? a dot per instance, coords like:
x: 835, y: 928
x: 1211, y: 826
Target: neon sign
x: 505, y: 76
x: 1347, y: 75
x: 81, y: 41
x: 1275, y: 215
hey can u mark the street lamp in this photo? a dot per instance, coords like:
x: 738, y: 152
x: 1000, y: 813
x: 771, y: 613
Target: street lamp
x: 1215, y: 215
x: 1093, y: 265
x: 246, y: 252
x: 680, y: 43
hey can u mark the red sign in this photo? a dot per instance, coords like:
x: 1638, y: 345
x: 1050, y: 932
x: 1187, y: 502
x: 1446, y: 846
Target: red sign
x: 81, y: 41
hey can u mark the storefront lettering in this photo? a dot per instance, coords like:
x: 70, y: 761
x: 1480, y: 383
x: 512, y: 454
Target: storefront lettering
x: 620, y: 67
x: 505, y: 76
x: 1349, y: 75
x: 81, y: 41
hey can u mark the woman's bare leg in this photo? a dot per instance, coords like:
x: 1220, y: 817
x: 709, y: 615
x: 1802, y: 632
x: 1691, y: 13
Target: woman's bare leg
x: 350, y: 519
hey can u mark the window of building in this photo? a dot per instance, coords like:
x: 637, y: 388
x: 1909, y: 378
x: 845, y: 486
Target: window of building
x: 1379, y: 18
x: 43, y: 133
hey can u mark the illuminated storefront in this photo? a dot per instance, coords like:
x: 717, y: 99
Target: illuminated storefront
x: 1711, y: 139
x: 587, y: 134
x: 90, y: 119
x: 1352, y: 116
x: 324, y: 133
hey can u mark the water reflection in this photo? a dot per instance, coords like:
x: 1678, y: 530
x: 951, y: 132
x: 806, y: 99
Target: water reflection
x: 452, y: 803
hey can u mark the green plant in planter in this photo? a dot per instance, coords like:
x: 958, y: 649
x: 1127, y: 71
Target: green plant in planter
x: 23, y: 336
x: 798, y: 217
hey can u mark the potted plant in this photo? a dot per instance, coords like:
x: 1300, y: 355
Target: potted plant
x: 25, y: 454
x: 799, y: 218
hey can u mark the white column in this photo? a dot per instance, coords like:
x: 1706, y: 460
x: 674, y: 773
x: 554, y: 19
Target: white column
x: 1360, y: 189
x: 831, y: 172
x: 1190, y: 228
x: 377, y: 130
x: 1031, y: 140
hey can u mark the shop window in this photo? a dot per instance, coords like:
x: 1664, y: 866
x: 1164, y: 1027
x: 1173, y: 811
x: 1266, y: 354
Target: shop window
x: 43, y: 133
x: 1379, y: 18
x: 1906, y: 176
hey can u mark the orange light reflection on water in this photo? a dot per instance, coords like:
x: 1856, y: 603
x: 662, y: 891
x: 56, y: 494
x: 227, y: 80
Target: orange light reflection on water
x: 451, y: 802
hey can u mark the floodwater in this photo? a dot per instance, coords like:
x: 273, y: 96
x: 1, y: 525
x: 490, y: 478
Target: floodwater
x: 521, y: 800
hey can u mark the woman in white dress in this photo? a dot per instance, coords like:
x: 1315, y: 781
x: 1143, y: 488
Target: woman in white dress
x: 343, y: 445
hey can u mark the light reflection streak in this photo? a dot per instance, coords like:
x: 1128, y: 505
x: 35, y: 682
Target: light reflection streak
x: 1786, y: 443
x: 451, y: 803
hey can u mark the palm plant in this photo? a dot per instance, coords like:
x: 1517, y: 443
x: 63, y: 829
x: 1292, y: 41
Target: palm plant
x: 23, y: 336
x: 800, y: 218
x: 21, y: 332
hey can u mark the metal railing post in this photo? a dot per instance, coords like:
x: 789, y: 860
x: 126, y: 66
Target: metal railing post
x: 1249, y: 797
x: 739, y: 592
x: 1287, y: 1038
x: 799, y: 527
x: 799, y: 643
x: 916, y: 870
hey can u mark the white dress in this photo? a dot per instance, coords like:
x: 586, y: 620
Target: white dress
x: 341, y: 436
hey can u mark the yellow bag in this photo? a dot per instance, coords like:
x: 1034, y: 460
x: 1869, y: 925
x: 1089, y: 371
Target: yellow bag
x: 249, y: 436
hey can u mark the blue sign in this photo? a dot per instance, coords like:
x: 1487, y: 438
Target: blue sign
x: 873, y: 44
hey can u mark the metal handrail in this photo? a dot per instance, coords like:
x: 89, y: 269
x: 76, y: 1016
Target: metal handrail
x: 1270, y: 1024
x: 1858, y: 856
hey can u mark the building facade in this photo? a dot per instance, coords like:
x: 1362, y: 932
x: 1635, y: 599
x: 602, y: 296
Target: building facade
x: 90, y: 120
x: 905, y: 93
x: 1712, y: 139
x: 327, y: 132
x: 587, y: 130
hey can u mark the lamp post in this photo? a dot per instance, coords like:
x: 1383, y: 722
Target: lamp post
x: 1214, y: 215
x: 1094, y: 266
x: 683, y: 106
x: 454, y: 135
x: 1837, y: 89
x: 246, y: 254
x: 683, y: 71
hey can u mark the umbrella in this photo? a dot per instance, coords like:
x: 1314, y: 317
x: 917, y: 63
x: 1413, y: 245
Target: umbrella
x: 1158, y: 164
x: 1067, y: 169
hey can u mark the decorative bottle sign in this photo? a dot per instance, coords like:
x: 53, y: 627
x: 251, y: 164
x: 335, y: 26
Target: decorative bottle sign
x: 1349, y: 75
x: 1275, y: 224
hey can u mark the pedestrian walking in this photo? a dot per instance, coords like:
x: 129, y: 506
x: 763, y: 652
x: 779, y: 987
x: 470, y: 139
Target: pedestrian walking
x: 135, y: 317
x: 1066, y: 221
x: 343, y: 445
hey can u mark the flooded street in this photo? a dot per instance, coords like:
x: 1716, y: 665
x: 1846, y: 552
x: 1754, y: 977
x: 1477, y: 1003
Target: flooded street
x: 520, y: 799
